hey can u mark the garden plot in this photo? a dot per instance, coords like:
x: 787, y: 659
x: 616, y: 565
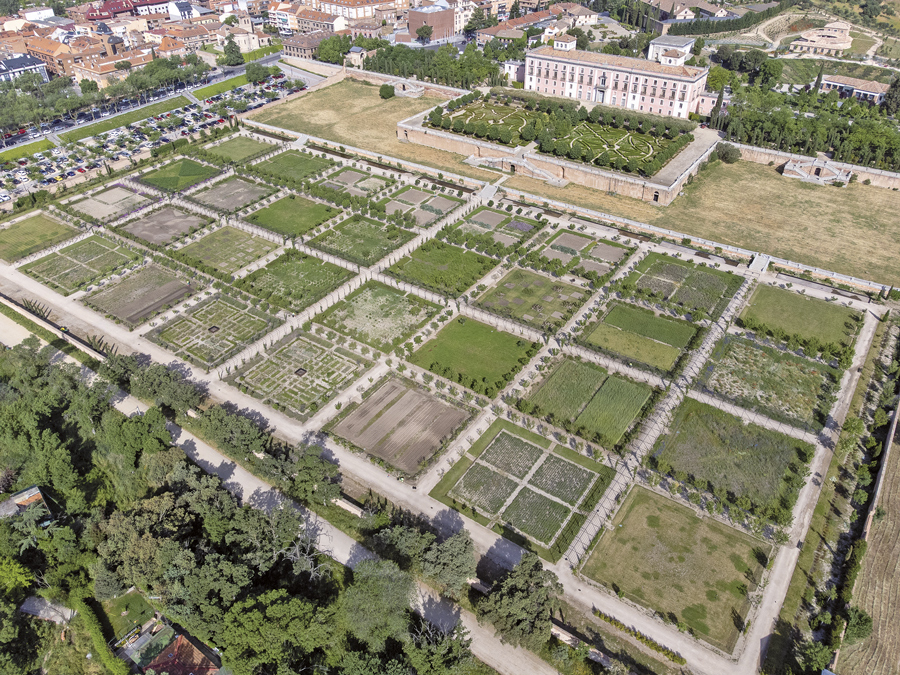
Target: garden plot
x: 239, y: 148
x: 511, y: 454
x: 745, y: 459
x: 691, y: 286
x: 295, y: 165
x: 401, y: 424
x: 562, y: 479
x: 503, y: 228
x: 612, y: 410
x: 592, y: 256
x: 536, y: 515
x: 213, y: 331
x: 533, y: 299
x: 699, y: 571
x: 357, y: 183
x: 381, y: 316
x: 566, y: 390
x: 637, y: 333
x: 110, y: 203
x: 425, y: 205
x: 294, y: 280
x: 484, y: 489
x: 228, y: 249
x: 164, y: 225
x: 777, y: 383
x: 293, y: 216
x: 300, y: 373
x: 85, y: 262
x: 443, y: 268
x: 797, y: 314
x: 178, y: 175
x: 232, y: 194
x: 361, y: 240
x: 140, y: 295
x: 31, y: 235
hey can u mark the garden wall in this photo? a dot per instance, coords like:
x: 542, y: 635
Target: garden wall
x: 879, y: 178
x: 430, y: 88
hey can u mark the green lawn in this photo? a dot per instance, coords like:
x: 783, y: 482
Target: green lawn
x: 219, y: 87
x: 27, y: 150
x: 293, y: 216
x: 745, y: 459
x: 473, y: 354
x: 800, y: 315
x: 126, y: 612
x: 566, y: 391
x: 442, y: 268
x: 239, y: 148
x: 633, y: 346
x: 612, y: 410
x: 645, y: 323
x: 294, y: 165
x: 257, y: 54
x: 31, y: 235
x: 180, y: 174
x: 132, y: 117
x: 659, y: 554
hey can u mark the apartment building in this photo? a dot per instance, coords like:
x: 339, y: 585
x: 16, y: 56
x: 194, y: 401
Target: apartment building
x: 355, y: 10
x: 103, y: 70
x: 619, y: 81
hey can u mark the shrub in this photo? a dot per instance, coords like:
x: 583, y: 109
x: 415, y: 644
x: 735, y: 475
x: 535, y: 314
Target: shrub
x: 386, y: 91
x: 728, y: 153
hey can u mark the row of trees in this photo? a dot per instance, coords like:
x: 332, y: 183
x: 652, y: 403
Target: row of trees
x: 469, y: 70
x: 707, y: 26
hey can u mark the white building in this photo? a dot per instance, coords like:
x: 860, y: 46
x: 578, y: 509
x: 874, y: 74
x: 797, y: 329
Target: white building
x: 669, y: 43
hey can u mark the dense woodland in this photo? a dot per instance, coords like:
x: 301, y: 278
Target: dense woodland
x: 128, y: 509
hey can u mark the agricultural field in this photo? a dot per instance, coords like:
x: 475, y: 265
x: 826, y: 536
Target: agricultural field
x: 381, y: 316
x: 110, y: 203
x: 179, y: 175
x: 425, y: 205
x: 228, y: 249
x: 294, y: 280
x: 361, y: 240
x: 699, y: 571
x: 689, y: 285
x: 74, y: 267
x: 213, y: 330
x: 295, y: 165
x: 31, y: 235
x: 164, y: 226
x: 300, y: 373
x: 232, y: 194
x: 566, y: 390
x: 595, y: 138
x: 442, y: 268
x: 293, y: 216
x: 877, y: 589
x: 474, y: 354
x: 536, y: 515
x: 533, y: 299
x: 240, y: 148
x: 612, y: 410
x: 485, y: 489
x: 797, y: 314
x: 776, y: 383
x: 503, y: 228
x: 139, y: 295
x: 638, y: 334
x: 401, y: 424
x: 745, y: 459
x: 511, y: 454
x: 356, y: 182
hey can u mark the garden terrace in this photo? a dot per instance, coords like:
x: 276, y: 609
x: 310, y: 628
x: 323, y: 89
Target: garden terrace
x: 239, y: 148
x: 137, y: 296
x: 580, y: 397
x: 772, y: 382
x: 300, y: 373
x: 401, y: 424
x: 442, y: 268
x: 533, y: 299
x: 815, y: 322
x: 293, y: 216
x: 292, y: 166
x: 694, y: 571
x: 232, y: 194
x: 475, y: 355
x: 569, y: 252
x: 635, y: 333
x: 761, y: 470
x: 361, y: 240
x: 74, y: 267
x: 179, y: 175
x: 225, y: 250
x: 493, y: 232
x: 213, y: 331
x: 513, y: 478
x: 294, y: 280
x: 356, y: 182
x: 110, y: 203
x: 163, y: 226
x: 31, y: 235
x: 703, y: 291
x: 424, y: 205
x: 381, y: 316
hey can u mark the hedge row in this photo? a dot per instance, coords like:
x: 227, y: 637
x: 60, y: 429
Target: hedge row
x: 92, y: 623
x: 640, y: 637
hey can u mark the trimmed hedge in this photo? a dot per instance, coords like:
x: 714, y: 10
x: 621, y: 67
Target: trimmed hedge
x: 101, y: 648
x: 640, y: 637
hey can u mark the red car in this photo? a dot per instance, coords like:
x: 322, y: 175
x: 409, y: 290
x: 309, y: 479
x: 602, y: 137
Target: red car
x: 21, y: 131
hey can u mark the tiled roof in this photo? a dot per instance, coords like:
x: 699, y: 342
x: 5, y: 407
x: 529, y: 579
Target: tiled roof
x: 856, y: 83
x: 618, y: 62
